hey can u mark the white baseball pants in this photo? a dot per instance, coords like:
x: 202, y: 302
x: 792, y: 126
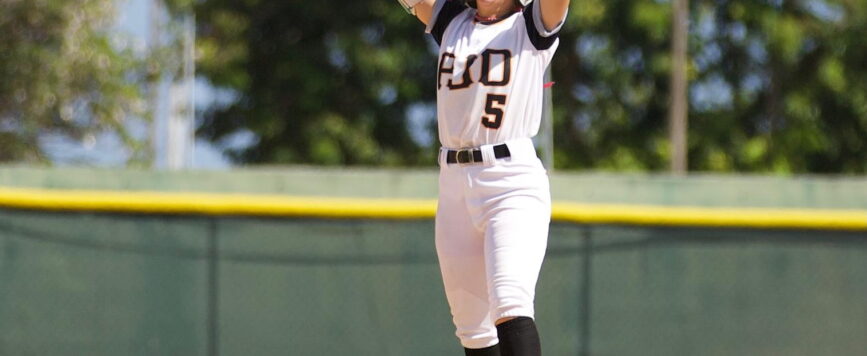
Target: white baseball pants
x: 491, y: 234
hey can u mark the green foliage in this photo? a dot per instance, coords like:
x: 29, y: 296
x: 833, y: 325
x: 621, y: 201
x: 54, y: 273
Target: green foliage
x: 320, y: 82
x: 776, y: 86
x: 795, y: 72
x: 61, y: 74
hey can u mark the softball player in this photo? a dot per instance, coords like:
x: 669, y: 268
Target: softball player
x: 494, y: 200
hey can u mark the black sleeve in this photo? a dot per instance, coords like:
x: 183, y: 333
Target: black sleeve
x: 450, y: 10
x: 540, y: 42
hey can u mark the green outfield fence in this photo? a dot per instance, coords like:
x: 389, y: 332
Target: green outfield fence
x: 341, y: 262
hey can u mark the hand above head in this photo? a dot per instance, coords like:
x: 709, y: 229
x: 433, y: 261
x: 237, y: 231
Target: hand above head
x: 423, y: 9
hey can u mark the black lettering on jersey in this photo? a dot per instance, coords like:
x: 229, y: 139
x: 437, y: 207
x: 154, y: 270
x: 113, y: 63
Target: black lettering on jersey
x: 486, y: 67
x: 443, y: 69
x: 467, y: 79
x: 447, y: 66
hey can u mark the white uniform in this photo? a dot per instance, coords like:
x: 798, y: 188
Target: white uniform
x: 493, y: 216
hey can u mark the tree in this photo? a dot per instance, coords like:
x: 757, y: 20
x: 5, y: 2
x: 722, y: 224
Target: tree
x: 62, y: 74
x: 777, y: 86
x: 795, y: 80
x: 320, y: 82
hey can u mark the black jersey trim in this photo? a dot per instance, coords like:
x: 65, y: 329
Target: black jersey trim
x: 449, y: 11
x: 536, y: 38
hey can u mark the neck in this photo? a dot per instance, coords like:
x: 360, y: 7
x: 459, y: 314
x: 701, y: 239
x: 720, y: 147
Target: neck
x: 496, y: 12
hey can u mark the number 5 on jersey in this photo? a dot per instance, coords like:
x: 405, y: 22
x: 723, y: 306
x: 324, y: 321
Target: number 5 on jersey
x: 494, y: 105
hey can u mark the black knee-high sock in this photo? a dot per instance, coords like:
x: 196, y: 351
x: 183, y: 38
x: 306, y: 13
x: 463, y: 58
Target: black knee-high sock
x: 519, y: 337
x: 488, y: 351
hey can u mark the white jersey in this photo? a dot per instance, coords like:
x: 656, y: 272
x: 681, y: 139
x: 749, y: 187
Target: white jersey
x: 490, y: 76
x: 493, y: 210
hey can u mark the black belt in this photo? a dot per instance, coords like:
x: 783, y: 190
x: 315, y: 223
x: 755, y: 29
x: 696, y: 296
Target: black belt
x: 475, y: 155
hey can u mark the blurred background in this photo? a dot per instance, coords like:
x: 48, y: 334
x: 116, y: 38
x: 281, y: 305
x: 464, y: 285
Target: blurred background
x: 771, y: 86
x: 707, y: 161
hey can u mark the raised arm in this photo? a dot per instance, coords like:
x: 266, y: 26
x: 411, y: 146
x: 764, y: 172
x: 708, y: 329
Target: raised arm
x: 423, y: 9
x: 553, y: 12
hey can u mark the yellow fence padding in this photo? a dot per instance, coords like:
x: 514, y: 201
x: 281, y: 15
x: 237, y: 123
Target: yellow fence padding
x: 141, y: 202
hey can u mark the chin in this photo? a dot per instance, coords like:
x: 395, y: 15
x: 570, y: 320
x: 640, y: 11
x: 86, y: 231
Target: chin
x: 496, y: 3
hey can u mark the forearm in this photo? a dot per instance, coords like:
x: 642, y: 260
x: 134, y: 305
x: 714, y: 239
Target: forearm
x: 423, y: 9
x: 553, y: 12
